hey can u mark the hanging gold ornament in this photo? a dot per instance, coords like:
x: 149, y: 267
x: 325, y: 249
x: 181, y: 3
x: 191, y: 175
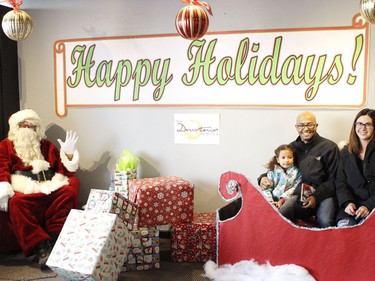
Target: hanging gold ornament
x: 368, y: 10
x: 192, y: 21
x: 17, y: 24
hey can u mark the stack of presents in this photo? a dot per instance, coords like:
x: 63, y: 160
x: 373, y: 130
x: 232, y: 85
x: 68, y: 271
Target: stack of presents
x: 118, y: 230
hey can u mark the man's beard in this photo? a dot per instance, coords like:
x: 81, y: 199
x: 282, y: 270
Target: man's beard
x: 27, y: 145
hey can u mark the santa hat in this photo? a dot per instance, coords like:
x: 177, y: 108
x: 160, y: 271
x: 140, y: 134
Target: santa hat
x: 22, y: 115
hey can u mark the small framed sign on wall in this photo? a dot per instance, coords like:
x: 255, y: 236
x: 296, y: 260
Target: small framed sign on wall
x: 197, y: 128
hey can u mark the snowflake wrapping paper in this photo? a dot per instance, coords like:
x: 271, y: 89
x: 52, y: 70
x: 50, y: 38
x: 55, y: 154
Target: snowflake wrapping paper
x: 91, y: 246
x: 162, y: 200
x: 196, y: 241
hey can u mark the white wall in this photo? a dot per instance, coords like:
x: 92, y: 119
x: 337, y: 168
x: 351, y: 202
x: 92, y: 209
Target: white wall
x: 248, y: 135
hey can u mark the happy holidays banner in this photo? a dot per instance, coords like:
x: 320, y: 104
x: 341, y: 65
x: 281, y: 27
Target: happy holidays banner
x: 297, y: 67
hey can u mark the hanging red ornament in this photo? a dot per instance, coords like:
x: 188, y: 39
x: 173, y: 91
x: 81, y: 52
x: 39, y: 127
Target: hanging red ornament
x: 192, y: 21
x: 16, y: 24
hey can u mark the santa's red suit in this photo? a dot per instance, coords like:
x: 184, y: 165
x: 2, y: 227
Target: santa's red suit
x: 41, y: 194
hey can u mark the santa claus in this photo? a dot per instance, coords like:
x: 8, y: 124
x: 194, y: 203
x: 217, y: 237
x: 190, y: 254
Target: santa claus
x: 37, y: 185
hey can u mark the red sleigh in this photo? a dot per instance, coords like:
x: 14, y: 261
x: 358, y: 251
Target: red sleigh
x: 251, y: 228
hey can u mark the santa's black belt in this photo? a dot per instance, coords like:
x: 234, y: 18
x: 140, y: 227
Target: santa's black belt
x: 42, y: 176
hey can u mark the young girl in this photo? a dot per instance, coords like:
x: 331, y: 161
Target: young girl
x: 283, y: 176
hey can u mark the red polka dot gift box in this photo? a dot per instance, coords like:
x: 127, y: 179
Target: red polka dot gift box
x: 162, y: 200
x: 195, y: 241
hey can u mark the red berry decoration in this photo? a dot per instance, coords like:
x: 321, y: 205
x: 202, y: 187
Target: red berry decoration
x: 192, y: 21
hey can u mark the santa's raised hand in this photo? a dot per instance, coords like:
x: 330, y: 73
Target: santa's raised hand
x: 69, y: 146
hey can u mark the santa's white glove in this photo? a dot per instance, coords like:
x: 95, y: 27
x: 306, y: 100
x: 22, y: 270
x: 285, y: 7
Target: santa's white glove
x: 4, y: 203
x: 69, y: 146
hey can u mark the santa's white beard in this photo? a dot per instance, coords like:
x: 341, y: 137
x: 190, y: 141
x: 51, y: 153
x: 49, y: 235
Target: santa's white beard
x: 27, y: 145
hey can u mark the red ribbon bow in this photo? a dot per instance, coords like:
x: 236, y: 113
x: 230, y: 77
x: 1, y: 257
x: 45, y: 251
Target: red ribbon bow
x: 198, y: 3
x: 16, y: 5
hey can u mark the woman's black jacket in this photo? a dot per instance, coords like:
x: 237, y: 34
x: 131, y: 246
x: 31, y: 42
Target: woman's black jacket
x: 353, y: 186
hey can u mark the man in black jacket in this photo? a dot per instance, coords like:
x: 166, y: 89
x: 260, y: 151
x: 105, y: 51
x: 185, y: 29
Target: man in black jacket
x: 317, y: 159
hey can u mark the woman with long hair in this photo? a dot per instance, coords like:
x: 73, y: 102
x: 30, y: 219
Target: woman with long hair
x: 355, y: 181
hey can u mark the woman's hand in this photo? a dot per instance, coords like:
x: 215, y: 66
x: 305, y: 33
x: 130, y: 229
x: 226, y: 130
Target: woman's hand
x: 362, y: 212
x: 350, y: 209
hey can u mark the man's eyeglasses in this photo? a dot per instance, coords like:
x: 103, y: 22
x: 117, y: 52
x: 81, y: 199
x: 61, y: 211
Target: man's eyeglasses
x: 309, y: 126
x: 27, y: 125
x: 359, y: 125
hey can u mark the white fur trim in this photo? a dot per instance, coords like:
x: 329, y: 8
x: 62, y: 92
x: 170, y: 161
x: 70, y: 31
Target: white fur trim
x: 6, y: 189
x: 71, y: 165
x: 22, y: 115
x: 27, y: 185
x: 39, y: 165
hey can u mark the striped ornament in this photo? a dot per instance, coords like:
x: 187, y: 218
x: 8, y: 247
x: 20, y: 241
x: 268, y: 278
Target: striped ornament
x: 17, y: 25
x: 368, y: 10
x: 192, y: 22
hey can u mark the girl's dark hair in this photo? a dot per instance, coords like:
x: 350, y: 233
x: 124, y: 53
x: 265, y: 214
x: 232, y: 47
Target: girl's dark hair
x: 354, y: 145
x: 271, y: 164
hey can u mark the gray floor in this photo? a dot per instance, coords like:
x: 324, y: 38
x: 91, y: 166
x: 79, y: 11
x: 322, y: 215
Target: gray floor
x: 15, y: 267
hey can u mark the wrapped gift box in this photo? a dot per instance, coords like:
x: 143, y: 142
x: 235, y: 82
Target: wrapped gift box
x: 162, y: 200
x: 91, y: 246
x: 196, y: 241
x: 112, y: 202
x: 144, y: 253
x: 121, y: 179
